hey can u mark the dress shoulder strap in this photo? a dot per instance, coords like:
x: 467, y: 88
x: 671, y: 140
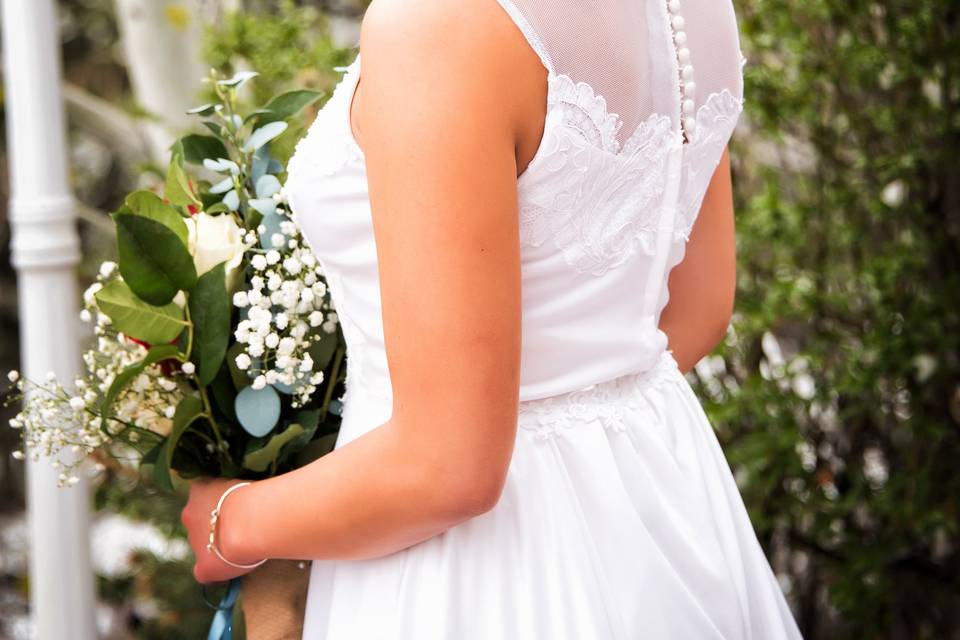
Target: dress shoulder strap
x: 528, y: 32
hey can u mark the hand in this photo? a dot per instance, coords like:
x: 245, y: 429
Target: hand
x: 204, y: 494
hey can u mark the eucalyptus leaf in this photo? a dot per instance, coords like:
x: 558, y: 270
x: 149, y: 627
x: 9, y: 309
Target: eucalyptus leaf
x: 137, y: 319
x: 222, y: 165
x: 258, y: 410
x: 266, y: 206
x: 271, y: 222
x: 264, y: 134
x: 223, y: 186
x: 210, y: 313
x: 202, y: 110
x: 153, y: 260
x: 238, y: 79
x: 259, y: 164
x: 232, y: 200
x: 267, y: 185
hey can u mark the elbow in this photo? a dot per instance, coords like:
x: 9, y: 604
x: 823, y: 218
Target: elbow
x: 461, y: 496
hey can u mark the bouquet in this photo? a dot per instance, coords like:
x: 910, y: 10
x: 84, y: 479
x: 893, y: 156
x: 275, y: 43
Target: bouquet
x: 218, y: 352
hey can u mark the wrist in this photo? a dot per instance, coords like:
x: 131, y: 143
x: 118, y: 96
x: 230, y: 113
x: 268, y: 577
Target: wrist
x: 235, y: 533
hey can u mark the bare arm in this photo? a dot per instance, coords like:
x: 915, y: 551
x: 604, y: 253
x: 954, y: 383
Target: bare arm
x: 702, y: 286
x: 440, y: 150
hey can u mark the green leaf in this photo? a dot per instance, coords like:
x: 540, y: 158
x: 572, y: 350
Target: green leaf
x: 137, y: 319
x: 152, y: 259
x: 310, y: 420
x: 238, y: 79
x: 189, y: 409
x: 215, y: 127
x: 202, y: 110
x: 197, y: 148
x: 321, y: 352
x: 287, y: 105
x: 177, y: 188
x: 155, y: 354
x: 316, y: 449
x: 260, y: 459
x: 149, y: 205
x: 239, y: 377
x: 210, y: 314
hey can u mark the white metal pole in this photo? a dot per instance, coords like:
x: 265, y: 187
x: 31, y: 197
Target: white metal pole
x: 45, y: 249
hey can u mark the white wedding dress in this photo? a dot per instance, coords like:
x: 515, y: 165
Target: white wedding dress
x: 620, y: 518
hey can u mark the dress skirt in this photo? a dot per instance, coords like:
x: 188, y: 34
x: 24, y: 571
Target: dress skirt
x: 620, y: 519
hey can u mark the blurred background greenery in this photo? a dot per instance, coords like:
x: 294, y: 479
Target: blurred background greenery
x: 836, y: 395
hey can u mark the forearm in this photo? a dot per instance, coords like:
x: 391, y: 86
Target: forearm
x: 373, y: 496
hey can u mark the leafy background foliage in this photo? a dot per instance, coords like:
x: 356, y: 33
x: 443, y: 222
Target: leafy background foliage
x: 846, y: 343
x: 836, y: 395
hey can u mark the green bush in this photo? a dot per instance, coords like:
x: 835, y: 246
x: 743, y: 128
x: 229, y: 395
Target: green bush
x: 847, y: 179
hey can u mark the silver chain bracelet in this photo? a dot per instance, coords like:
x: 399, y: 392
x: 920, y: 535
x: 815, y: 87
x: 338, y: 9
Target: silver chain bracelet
x: 214, y: 517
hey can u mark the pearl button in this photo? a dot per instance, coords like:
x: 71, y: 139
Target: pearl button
x: 687, y: 85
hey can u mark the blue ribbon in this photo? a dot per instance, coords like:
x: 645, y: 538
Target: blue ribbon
x: 222, y: 626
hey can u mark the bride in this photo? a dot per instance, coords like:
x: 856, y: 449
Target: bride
x: 501, y: 205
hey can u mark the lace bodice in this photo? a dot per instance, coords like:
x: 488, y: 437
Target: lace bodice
x: 630, y: 142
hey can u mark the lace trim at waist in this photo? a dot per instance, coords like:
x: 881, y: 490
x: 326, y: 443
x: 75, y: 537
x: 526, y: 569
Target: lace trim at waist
x: 606, y: 402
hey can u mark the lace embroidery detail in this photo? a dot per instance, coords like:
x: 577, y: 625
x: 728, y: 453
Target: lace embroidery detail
x: 599, y: 201
x: 607, y: 403
x: 716, y: 120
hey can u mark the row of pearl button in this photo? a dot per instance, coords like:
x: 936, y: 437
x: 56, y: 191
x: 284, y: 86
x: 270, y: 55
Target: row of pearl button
x: 688, y: 87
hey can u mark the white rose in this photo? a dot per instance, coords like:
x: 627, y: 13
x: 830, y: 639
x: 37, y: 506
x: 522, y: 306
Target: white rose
x: 215, y: 239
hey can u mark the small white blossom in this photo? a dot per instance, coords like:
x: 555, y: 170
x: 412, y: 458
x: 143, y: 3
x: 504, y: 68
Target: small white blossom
x: 240, y: 299
x: 188, y: 368
x: 243, y: 361
x: 259, y: 382
x: 259, y: 262
x: 85, y: 315
x: 13, y: 376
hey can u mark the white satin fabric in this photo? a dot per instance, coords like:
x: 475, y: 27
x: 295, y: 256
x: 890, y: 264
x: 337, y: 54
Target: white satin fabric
x: 620, y: 518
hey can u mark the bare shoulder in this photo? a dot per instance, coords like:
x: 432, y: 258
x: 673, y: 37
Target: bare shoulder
x: 429, y: 27
x: 467, y: 53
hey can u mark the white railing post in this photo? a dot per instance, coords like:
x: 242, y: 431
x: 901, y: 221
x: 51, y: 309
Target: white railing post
x: 45, y: 248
